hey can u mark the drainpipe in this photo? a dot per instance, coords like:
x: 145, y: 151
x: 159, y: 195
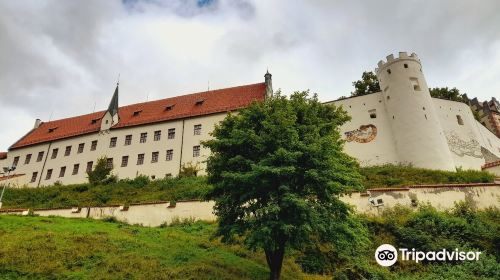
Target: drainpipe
x: 182, y: 147
x: 44, y: 162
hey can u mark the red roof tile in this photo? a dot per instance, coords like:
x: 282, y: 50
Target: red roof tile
x: 214, y: 101
x: 3, y: 155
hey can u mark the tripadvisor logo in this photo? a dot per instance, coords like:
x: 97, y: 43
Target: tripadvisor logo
x: 387, y: 255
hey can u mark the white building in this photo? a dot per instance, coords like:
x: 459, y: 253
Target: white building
x: 404, y: 124
x: 400, y: 124
x: 153, y: 138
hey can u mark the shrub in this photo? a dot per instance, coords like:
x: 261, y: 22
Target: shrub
x: 101, y: 173
x: 189, y: 170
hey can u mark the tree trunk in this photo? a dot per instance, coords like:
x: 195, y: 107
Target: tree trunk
x: 274, y: 260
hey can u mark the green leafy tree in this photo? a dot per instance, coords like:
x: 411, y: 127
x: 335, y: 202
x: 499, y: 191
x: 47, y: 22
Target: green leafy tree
x: 278, y: 169
x: 449, y: 94
x: 368, y: 84
x: 101, y: 173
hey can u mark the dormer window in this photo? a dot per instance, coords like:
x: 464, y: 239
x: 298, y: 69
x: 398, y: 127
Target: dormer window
x: 169, y: 107
x: 52, y: 129
x: 199, y: 102
x: 94, y: 121
x: 136, y: 113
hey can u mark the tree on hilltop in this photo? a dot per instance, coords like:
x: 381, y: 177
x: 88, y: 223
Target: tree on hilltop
x: 367, y: 85
x: 278, y: 169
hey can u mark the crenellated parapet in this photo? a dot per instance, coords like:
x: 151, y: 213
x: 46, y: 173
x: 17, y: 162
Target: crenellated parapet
x: 391, y: 59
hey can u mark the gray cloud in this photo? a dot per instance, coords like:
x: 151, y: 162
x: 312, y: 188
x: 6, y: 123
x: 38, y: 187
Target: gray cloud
x: 59, y: 58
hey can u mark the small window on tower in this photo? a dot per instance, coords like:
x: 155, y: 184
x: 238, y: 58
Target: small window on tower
x: 388, y: 71
x: 415, y: 84
x: 406, y: 65
x: 373, y: 113
x: 460, y: 120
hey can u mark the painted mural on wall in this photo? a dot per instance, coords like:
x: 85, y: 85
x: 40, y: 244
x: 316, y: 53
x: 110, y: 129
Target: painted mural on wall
x: 364, y: 134
x: 462, y: 147
x: 489, y: 156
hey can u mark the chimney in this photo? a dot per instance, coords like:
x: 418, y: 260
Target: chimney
x: 37, y: 123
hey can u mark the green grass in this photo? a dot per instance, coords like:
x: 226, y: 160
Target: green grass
x: 141, y: 189
x: 61, y: 248
x: 400, y: 175
x: 138, y: 190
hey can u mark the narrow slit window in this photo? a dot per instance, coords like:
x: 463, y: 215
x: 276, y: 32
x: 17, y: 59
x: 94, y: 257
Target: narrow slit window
x: 460, y: 120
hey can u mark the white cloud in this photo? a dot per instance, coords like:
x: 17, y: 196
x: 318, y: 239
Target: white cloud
x: 62, y: 57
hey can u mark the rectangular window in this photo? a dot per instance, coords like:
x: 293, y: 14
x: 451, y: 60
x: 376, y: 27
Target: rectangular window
x: 460, y: 120
x: 48, y: 175
x: 93, y: 145
x: 75, y: 169
x: 154, y: 157
x: 81, y: 146
x: 67, y: 152
x: 171, y: 133
x: 170, y: 155
x: 109, y: 163
x: 62, y: 171
x: 197, y: 129
x: 415, y: 84
x: 128, y: 140
x: 27, y: 159
x: 157, y: 136
x: 33, y: 177
x: 16, y: 161
x: 124, y: 161
x: 140, y: 159
x: 40, y: 156
x: 373, y: 113
x: 89, y: 166
x: 196, y: 151
x: 54, y: 153
x: 144, y: 137
x: 112, y: 142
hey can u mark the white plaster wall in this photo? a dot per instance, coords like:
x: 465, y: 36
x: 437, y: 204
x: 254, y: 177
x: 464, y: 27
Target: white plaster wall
x: 442, y: 198
x: 494, y: 170
x: 381, y: 149
x: 159, y: 169
x: 472, y: 135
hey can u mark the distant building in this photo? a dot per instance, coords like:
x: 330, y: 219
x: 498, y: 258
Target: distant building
x: 489, y: 114
x: 404, y: 124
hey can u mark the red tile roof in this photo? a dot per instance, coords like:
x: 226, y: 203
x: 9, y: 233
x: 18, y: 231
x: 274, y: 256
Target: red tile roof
x: 3, y: 155
x: 214, y: 101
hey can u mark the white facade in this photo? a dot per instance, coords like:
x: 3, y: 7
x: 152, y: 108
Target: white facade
x: 402, y: 124
x: 184, y: 138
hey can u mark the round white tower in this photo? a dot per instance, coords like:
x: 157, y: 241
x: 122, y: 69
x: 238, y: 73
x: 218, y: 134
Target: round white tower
x: 417, y: 132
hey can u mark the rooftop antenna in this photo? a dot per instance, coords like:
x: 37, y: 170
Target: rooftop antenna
x: 93, y: 111
x: 118, y: 81
x: 147, y: 96
x: 50, y: 118
x: 208, y: 86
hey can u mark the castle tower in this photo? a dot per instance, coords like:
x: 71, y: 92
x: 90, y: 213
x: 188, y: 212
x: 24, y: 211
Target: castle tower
x: 418, y: 135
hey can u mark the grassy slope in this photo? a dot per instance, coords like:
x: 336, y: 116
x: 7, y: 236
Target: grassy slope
x: 143, y: 190
x: 59, y: 248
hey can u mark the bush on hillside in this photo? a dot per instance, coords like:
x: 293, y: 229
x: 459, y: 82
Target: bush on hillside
x: 101, y: 174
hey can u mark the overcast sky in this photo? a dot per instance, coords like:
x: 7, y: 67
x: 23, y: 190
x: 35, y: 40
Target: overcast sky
x: 59, y: 58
